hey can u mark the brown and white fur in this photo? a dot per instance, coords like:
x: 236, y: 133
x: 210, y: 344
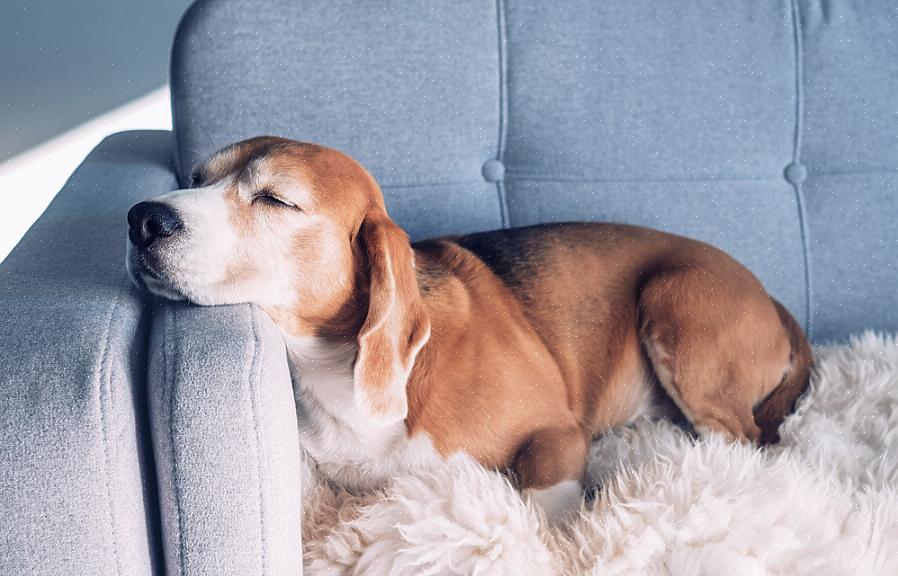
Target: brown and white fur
x: 516, y: 346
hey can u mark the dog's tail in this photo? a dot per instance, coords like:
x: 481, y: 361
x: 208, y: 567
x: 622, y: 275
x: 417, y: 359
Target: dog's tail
x: 771, y: 412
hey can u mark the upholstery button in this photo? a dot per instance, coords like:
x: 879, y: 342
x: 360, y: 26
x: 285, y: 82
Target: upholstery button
x: 795, y: 173
x: 493, y: 170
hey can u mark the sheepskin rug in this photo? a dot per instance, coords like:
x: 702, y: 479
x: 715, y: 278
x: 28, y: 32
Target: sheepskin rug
x: 824, y: 501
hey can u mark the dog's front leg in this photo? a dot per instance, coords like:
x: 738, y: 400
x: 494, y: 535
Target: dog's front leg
x: 550, y: 467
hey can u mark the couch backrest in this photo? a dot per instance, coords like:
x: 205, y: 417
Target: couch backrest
x: 769, y: 128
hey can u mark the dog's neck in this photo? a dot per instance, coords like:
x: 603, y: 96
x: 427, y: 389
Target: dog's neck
x: 348, y: 447
x: 322, y: 371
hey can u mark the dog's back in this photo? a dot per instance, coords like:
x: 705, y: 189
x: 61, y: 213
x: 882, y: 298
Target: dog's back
x: 602, y: 298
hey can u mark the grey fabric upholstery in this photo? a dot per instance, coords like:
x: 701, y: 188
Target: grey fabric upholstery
x: 409, y: 88
x: 768, y: 128
x: 80, y: 489
x: 77, y: 487
x: 226, y: 442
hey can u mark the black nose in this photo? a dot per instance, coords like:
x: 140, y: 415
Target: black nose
x: 152, y: 220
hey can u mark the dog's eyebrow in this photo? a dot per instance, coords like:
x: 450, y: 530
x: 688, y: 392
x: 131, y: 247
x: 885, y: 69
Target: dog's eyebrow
x: 249, y: 173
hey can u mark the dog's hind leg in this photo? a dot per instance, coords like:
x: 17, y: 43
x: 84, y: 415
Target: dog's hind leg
x: 550, y: 468
x: 701, y: 392
x: 716, y: 344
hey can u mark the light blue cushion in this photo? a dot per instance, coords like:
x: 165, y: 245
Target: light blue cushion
x: 678, y: 117
x: 853, y: 234
x: 716, y: 120
x: 849, y: 143
x: 409, y: 88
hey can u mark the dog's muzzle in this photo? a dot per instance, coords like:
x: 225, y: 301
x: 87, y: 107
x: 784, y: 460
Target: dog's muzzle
x: 149, y: 221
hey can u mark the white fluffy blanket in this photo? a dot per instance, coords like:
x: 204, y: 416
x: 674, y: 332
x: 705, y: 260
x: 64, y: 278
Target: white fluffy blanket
x: 823, y: 501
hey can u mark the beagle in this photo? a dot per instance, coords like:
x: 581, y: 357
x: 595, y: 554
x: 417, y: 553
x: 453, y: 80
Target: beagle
x: 517, y: 346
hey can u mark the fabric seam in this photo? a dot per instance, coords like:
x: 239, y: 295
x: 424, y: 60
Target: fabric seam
x: 255, y: 375
x: 558, y: 177
x: 168, y: 371
x: 796, y: 159
x: 425, y: 184
x: 503, y: 108
x: 104, y: 385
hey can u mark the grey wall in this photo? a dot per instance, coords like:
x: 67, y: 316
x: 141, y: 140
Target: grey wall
x: 63, y: 62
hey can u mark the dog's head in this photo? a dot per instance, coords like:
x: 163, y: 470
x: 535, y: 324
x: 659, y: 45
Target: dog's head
x: 302, y: 231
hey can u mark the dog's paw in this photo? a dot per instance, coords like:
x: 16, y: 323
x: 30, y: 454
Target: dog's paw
x: 557, y: 501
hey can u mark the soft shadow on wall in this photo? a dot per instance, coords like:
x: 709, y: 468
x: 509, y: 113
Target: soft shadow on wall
x: 64, y: 66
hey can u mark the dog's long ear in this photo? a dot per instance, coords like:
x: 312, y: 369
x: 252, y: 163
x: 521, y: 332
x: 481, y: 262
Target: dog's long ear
x: 397, y: 325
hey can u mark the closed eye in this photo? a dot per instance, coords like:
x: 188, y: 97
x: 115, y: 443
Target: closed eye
x: 271, y: 199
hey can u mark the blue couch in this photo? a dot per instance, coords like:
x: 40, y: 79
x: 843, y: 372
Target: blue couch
x: 146, y: 437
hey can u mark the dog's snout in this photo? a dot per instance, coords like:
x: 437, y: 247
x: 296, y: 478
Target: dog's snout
x: 151, y: 220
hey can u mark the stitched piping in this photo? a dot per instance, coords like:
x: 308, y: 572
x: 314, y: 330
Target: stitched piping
x: 168, y: 370
x: 796, y: 159
x: 568, y: 177
x: 503, y: 107
x: 104, y: 384
x: 255, y: 375
x: 840, y: 173
x: 548, y: 177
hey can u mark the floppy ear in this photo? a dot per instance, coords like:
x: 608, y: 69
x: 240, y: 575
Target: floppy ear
x: 397, y: 325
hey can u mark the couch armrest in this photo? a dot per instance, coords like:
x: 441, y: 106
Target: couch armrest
x: 226, y: 441
x: 76, y: 478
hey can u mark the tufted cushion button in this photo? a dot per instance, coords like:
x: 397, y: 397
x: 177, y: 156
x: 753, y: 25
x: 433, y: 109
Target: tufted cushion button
x: 493, y: 170
x: 795, y: 173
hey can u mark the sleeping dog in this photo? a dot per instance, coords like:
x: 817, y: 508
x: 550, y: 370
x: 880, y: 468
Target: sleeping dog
x: 517, y: 347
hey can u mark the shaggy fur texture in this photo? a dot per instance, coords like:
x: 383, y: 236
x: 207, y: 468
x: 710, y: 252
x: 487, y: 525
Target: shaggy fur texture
x: 824, y: 501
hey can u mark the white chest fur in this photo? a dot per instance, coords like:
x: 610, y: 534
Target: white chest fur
x: 348, y: 447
